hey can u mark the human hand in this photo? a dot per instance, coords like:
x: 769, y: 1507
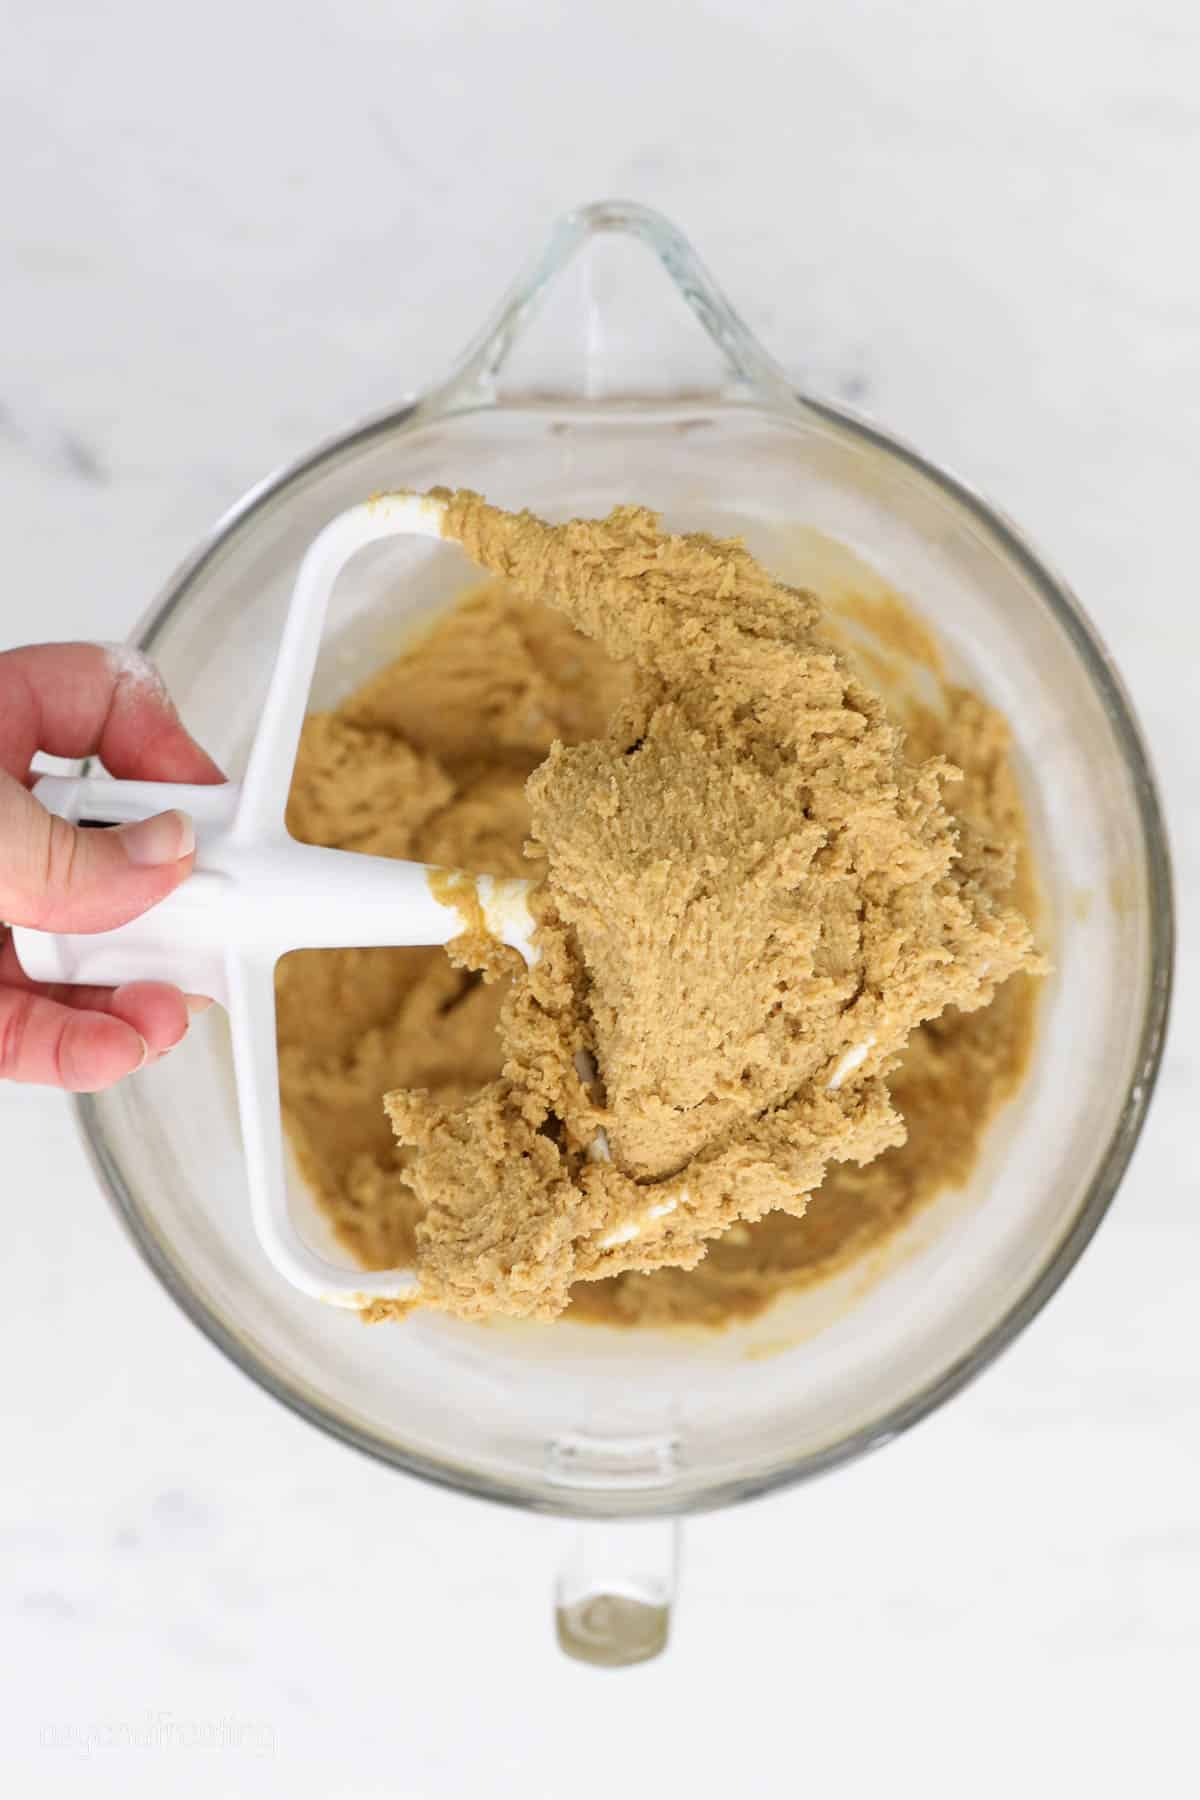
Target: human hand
x: 75, y: 700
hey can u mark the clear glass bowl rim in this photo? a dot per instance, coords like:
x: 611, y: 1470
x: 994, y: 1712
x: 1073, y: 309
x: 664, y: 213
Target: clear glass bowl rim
x: 1107, y: 683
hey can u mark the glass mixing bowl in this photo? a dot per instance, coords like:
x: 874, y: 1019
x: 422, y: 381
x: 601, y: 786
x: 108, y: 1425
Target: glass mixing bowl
x: 598, y: 382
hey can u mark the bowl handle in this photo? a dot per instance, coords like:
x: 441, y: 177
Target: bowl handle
x: 616, y: 306
x: 615, y: 1591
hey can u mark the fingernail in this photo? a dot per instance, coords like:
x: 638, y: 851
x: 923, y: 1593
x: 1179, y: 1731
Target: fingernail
x: 165, y: 838
x: 198, y: 1003
x: 145, y: 1056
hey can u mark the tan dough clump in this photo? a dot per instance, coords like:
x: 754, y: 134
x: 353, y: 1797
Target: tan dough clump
x: 479, y: 697
x: 956, y: 1073
x: 750, y: 901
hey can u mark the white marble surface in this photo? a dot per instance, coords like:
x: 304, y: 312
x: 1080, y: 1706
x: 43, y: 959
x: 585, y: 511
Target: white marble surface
x: 229, y: 230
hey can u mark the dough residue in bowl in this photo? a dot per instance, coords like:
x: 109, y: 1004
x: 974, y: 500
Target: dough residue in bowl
x: 752, y: 898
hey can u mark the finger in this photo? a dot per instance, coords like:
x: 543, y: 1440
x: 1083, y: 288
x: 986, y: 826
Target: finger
x: 155, y: 1004
x: 59, y: 877
x: 157, y: 1012
x: 44, y: 1042
x: 83, y: 699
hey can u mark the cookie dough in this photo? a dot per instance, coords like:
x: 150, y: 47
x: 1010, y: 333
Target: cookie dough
x: 751, y: 899
x: 429, y: 760
x: 956, y: 1074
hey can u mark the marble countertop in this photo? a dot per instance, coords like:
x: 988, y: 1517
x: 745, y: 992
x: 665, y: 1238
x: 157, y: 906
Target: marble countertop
x: 228, y: 232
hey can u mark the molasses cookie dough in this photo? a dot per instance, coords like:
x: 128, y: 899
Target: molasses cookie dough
x: 955, y: 1075
x: 429, y: 760
x: 751, y: 900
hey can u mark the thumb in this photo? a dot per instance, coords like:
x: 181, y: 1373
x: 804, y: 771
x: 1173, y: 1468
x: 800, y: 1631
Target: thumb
x: 57, y: 877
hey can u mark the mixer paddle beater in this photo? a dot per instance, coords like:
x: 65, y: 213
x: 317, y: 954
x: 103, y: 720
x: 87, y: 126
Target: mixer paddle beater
x: 256, y: 893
